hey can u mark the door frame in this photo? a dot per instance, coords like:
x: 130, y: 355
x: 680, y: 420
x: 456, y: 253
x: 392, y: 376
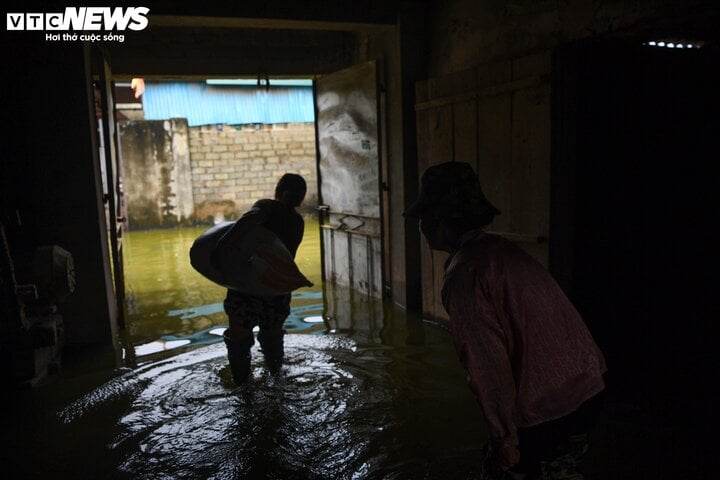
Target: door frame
x: 113, y: 200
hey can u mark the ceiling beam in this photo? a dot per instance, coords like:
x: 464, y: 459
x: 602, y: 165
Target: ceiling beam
x: 265, y: 23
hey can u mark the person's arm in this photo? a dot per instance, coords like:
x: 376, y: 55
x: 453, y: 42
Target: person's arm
x: 483, y: 350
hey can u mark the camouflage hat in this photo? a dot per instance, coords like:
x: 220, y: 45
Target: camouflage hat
x: 453, y: 189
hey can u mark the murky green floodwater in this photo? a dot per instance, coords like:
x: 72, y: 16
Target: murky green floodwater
x: 369, y: 394
x: 170, y: 305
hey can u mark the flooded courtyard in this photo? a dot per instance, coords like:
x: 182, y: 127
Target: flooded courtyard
x: 367, y: 392
x: 171, y: 306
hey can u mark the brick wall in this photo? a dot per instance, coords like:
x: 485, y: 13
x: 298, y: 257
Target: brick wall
x: 233, y: 166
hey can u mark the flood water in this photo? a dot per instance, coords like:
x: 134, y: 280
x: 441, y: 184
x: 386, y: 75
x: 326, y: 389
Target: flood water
x: 367, y: 392
x: 171, y: 306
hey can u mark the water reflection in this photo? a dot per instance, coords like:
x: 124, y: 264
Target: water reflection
x: 366, y: 393
x: 384, y: 399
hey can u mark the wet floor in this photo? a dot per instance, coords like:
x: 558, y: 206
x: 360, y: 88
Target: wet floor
x: 366, y: 393
x: 340, y: 408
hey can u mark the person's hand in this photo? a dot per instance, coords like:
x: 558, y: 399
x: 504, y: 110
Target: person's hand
x: 506, y: 456
x: 497, y: 461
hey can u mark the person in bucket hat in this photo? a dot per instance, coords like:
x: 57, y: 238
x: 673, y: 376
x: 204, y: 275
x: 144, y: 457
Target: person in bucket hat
x: 532, y: 364
x: 452, y: 188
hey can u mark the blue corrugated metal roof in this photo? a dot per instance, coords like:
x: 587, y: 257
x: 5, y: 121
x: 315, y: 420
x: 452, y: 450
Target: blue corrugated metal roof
x: 204, y: 104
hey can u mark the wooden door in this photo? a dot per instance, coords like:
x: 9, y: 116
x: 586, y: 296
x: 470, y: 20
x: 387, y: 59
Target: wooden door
x: 497, y: 118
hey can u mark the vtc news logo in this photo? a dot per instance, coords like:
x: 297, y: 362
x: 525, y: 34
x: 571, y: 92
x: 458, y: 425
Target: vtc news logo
x: 81, y: 19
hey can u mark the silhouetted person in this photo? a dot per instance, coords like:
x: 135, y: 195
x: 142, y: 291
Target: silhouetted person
x: 268, y: 312
x: 532, y: 363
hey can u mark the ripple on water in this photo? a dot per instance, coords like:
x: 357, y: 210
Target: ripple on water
x: 182, y: 423
x: 337, y: 411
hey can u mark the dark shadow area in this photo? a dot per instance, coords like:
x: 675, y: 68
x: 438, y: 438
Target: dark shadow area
x: 641, y: 130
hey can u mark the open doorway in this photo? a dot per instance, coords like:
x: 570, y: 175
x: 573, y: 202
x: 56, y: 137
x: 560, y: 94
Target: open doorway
x: 200, y: 153
x: 197, y: 153
x: 633, y: 172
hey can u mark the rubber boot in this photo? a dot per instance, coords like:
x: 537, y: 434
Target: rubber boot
x: 238, y: 356
x: 271, y: 344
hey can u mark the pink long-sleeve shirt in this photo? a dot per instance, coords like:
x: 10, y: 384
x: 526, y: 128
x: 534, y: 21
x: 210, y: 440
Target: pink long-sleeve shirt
x: 529, y: 356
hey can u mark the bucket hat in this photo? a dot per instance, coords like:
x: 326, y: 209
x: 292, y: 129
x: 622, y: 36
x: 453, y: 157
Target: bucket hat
x: 452, y: 189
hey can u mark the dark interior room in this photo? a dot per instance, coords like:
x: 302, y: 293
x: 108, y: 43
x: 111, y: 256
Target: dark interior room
x: 591, y: 125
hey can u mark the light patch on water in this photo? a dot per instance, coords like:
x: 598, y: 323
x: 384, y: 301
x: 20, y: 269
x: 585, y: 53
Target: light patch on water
x: 314, y: 319
x: 134, y: 381
x: 183, y: 423
x: 159, y: 346
x: 338, y: 409
x: 310, y: 421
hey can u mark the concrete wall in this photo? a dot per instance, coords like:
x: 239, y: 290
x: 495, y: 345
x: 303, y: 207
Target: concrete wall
x: 156, y: 172
x: 178, y: 175
x: 235, y: 166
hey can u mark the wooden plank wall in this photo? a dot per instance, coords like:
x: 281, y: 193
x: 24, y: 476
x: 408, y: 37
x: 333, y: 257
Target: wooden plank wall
x: 497, y: 118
